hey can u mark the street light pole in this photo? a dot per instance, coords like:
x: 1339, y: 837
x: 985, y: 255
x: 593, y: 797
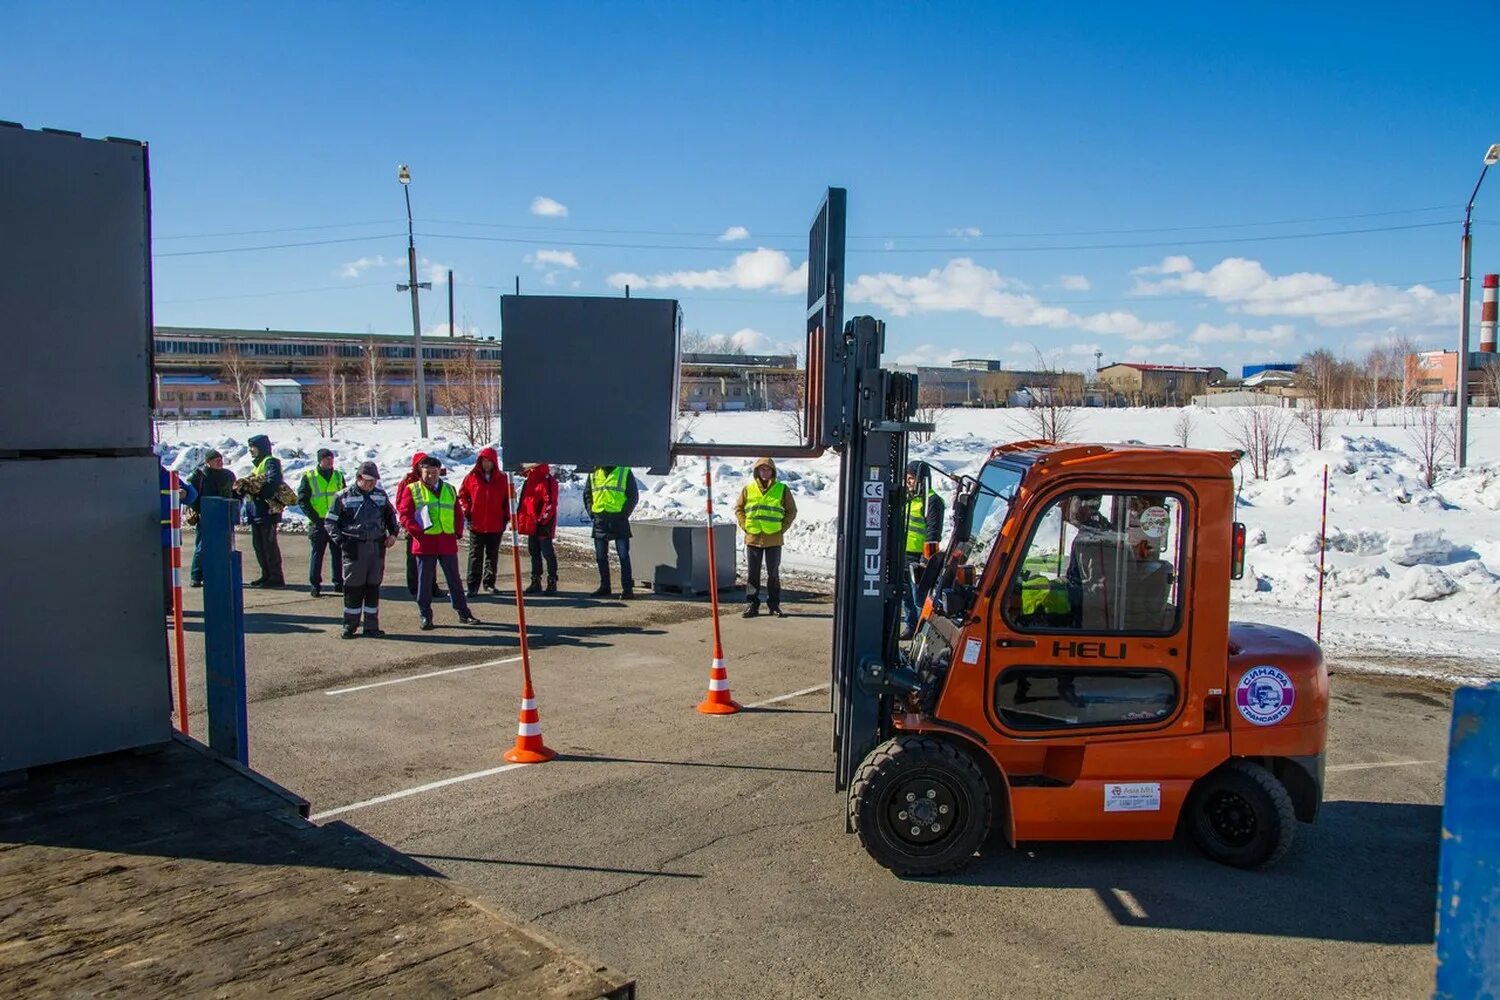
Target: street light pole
x: 1461, y: 381
x: 403, y: 174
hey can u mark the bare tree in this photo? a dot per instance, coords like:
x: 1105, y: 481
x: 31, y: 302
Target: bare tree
x: 929, y: 410
x: 323, y: 400
x: 470, y: 396
x: 372, y: 375
x: 1261, y: 432
x: 1326, y: 377
x: 1489, y: 383
x: 240, y: 371
x: 1182, y: 429
x: 788, y: 397
x: 1431, y: 434
x: 1051, y: 413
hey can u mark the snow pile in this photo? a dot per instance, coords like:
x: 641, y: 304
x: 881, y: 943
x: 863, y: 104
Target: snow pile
x: 1402, y: 558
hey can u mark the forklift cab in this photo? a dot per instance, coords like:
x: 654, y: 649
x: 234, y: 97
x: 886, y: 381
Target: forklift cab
x: 1076, y: 676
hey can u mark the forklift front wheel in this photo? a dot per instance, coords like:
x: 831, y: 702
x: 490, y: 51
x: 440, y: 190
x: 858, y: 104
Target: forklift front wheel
x: 920, y: 806
x: 1242, y: 815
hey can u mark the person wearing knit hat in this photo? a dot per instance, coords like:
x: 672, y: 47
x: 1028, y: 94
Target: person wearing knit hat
x: 210, y: 479
x: 319, y: 486
x: 361, y: 523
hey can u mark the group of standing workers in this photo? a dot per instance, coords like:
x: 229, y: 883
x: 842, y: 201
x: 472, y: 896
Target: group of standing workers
x: 356, y: 524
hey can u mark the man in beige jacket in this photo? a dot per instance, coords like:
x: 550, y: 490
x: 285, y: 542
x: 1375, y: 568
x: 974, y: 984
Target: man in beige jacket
x: 765, y: 511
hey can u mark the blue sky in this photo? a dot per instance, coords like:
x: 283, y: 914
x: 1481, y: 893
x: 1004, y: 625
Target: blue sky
x: 1022, y: 178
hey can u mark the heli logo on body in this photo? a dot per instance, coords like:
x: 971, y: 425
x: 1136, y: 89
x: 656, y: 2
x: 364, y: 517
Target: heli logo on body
x: 1089, y: 650
x: 874, y: 536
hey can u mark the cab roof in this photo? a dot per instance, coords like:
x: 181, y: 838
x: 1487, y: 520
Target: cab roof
x: 1137, y: 459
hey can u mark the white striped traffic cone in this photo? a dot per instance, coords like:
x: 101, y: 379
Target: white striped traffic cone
x: 718, y: 700
x: 529, y: 748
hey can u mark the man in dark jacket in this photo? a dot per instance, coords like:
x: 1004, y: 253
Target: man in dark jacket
x: 610, y: 496
x: 485, y: 499
x: 361, y: 523
x: 315, y: 494
x: 259, y: 490
x: 210, y: 479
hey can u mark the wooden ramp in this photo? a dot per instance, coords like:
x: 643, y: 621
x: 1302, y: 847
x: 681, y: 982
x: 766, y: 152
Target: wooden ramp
x: 171, y: 873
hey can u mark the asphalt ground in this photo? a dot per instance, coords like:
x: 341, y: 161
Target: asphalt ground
x: 707, y: 857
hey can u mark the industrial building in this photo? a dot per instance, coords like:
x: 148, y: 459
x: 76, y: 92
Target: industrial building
x: 1158, y: 385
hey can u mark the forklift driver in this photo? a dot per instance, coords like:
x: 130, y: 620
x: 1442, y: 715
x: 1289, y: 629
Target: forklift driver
x: 1087, y: 559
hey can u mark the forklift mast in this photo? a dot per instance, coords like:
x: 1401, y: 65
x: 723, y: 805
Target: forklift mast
x: 864, y: 413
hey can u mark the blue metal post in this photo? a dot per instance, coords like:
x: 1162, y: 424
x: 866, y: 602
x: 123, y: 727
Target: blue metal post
x: 224, y: 631
x: 1468, y: 932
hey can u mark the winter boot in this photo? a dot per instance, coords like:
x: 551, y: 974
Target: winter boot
x: 426, y: 624
x: 751, y: 610
x: 351, y: 630
x: 372, y: 626
x: 551, y: 587
x: 316, y: 590
x: 601, y: 591
x: 627, y: 592
x: 535, y: 587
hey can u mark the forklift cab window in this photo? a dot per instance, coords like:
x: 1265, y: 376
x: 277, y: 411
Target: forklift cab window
x: 1100, y: 562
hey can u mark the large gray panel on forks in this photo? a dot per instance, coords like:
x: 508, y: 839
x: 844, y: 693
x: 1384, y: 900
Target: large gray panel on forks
x: 83, y: 652
x: 588, y: 381
x: 75, y: 293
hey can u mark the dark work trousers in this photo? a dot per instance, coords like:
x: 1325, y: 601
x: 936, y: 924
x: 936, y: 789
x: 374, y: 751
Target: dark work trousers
x: 484, y: 555
x: 411, y: 572
x: 912, y: 572
x: 317, y: 536
x: 754, y: 555
x: 427, y: 567
x: 601, y: 556
x: 195, y: 572
x: 365, y: 570
x: 541, y: 548
x: 267, y: 550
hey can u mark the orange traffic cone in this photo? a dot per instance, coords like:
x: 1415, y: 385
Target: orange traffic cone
x: 718, y: 700
x: 529, y: 748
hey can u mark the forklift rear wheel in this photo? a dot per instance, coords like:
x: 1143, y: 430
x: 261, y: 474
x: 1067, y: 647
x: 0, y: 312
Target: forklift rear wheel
x: 920, y: 806
x: 1241, y: 815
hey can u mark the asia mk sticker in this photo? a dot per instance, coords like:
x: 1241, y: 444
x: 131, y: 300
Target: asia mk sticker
x: 1265, y: 696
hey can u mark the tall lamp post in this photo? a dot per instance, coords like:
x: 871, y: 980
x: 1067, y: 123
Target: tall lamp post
x: 403, y: 174
x: 1461, y: 442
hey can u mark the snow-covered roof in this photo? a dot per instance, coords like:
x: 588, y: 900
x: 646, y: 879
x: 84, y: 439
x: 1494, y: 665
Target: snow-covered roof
x: 278, y: 383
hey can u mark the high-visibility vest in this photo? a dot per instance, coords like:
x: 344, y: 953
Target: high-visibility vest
x: 260, y: 467
x: 439, y: 507
x: 608, y: 489
x: 765, y: 510
x: 916, y: 523
x: 324, y: 490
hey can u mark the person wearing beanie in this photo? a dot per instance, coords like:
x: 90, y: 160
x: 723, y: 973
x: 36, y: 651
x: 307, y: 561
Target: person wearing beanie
x: 319, y: 486
x: 428, y: 509
x: 924, y: 532
x: 262, y: 510
x: 210, y: 479
x: 361, y: 523
x: 765, y: 511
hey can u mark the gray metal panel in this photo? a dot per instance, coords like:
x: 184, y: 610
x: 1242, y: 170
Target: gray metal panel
x: 588, y: 381
x: 83, y: 653
x: 673, y: 555
x: 75, y: 293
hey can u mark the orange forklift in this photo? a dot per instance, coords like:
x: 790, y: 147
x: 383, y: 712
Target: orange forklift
x: 1075, y: 675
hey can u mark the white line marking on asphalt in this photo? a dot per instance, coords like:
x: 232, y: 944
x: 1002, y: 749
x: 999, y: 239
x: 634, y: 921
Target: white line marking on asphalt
x: 1379, y: 763
x: 787, y: 697
x: 418, y: 677
x: 430, y: 786
x: 1130, y: 903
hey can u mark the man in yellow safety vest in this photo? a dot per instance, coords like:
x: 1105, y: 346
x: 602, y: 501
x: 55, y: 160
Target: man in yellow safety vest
x: 315, y: 494
x: 765, y: 511
x: 428, y: 510
x: 924, y: 531
x: 610, y: 495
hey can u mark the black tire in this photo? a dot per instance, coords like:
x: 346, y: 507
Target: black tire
x: 1241, y: 815
x: 949, y: 798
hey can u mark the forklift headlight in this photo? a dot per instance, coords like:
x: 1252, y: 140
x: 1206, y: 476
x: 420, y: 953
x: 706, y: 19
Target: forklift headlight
x: 1237, y: 557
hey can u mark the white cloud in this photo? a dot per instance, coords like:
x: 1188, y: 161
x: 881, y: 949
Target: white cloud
x: 964, y: 286
x: 1233, y: 333
x: 1245, y: 286
x: 1073, y: 283
x: 553, y: 258
x: 1163, y: 354
x: 542, y: 205
x: 761, y: 269
x: 435, y: 272
x: 965, y: 232
x: 746, y: 339
x: 355, y: 268
x: 462, y: 330
x: 929, y: 354
x: 734, y: 233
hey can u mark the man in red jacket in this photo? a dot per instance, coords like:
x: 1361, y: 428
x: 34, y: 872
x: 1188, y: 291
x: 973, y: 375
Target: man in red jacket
x: 484, y: 498
x: 536, y: 518
x: 429, y: 511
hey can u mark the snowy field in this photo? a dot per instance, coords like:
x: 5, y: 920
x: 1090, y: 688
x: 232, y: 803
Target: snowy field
x: 1410, y: 587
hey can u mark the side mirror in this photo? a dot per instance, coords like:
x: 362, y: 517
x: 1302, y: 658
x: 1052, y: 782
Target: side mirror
x: 963, y: 511
x: 1237, y: 553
